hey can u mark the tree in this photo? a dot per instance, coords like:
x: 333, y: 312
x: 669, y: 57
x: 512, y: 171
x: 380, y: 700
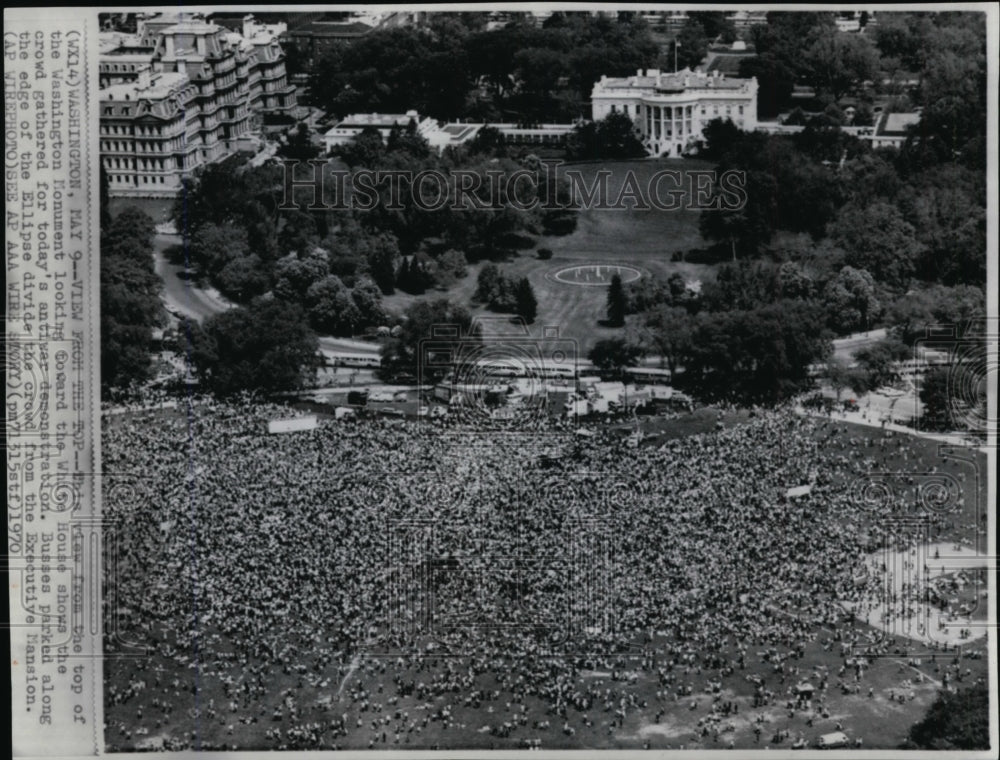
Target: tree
x: 878, y: 239
x: 677, y: 286
x: 935, y: 396
x: 668, y: 334
x: 299, y: 233
x: 434, y: 335
x: 130, y: 299
x: 775, y: 83
x: 838, y: 374
x: 243, y: 278
x: 793, y: 282
x: 692, y: 42
x: 213, y: 246
x: 294, y: 274
x: 742, y: 286
x: 616, y: 138
x: 879, y: 362
x: 332, y: 310
x: 647, y: 293
x: 851, y: 301
x: 838, y: 62
x: 130, y: 309
x: 761, y: 355
x: 365, y: 149
x: 721, y: 136
x: 945, y: 206
x: 613, y: 354
x: 956, y: 720
x: 265, y: 346
x: 408, y: 140
x: 299, y: 145
x: 715, y: 24
x: 382, y: 257
x: 749, y: 227
x: 617, y: 304
x: 451, y: 266
x: 527, y: 304
x: 488, y: 284
x: 781, y: 46
x: 938, y: 306
x: 130, y: 235
x: 488, y: 141
x: 368, y: 299
x: 613, y: 137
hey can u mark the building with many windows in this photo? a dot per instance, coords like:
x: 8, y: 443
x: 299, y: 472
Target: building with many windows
x: 180, y: 93
x: 441, y: 136
x: 671, y: 110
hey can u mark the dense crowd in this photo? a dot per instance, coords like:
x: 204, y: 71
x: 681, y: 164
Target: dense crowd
x: 390, y: 583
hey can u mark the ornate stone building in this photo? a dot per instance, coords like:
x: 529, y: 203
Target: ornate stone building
x: 180, y: 93
x: 670, y: 110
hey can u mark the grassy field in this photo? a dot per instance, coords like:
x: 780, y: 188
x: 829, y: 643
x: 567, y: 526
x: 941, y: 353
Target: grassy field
x: 643, y: 238
x: 157, y: 208
x: 202, y: 717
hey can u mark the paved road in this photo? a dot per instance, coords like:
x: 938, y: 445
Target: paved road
x: 844, y: 348
x: 179, y: 294
x: 183, y: 298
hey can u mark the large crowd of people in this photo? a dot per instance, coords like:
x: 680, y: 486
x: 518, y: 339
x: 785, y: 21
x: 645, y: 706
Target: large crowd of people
x: 389, y: 583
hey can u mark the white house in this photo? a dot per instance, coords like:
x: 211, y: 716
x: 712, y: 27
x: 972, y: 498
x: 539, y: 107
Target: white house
x: 671, y: 110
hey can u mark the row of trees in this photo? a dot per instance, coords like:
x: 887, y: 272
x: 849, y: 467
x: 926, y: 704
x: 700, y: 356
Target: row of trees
x: 900, y: 217
x: 497, y: 227
x: 753, y: 333
x: 338, y: 262
x: 751, y: 352
x: 130, y: 297
x: 453, y: 67
x: 944, y: 52
x: 504, y: 294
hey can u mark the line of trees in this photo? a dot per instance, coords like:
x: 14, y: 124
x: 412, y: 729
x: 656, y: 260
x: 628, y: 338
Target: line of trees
x: 130, y: 298
x: 504, y: 294
x: 453, y: 67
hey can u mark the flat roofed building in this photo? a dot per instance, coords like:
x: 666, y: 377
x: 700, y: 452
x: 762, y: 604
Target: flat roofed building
x: 441, y: 136
x: 670, y: 110
x: 894, y: 129
x: 351, y: 126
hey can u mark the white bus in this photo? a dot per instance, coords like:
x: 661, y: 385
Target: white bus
x: 353, y: 360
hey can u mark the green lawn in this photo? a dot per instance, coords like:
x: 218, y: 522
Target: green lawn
x: 643, y: 238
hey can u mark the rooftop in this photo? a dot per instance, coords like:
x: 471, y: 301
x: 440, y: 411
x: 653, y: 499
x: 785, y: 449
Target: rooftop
x: 192, y: 27
x: 900, y: 122
x: 160, y: 85
x: 377, y: 119
x: 685, y: 79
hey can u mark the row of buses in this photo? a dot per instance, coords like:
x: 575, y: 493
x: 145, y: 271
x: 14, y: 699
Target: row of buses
x: 500, y: 368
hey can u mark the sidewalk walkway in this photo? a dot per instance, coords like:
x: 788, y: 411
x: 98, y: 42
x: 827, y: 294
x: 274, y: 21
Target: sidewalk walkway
x: 861, y: 418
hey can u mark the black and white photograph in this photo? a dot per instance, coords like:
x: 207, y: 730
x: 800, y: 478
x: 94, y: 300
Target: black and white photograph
x: 510, y: 377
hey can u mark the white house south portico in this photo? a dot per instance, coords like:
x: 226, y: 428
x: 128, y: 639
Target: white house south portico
x: 670, y: 110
